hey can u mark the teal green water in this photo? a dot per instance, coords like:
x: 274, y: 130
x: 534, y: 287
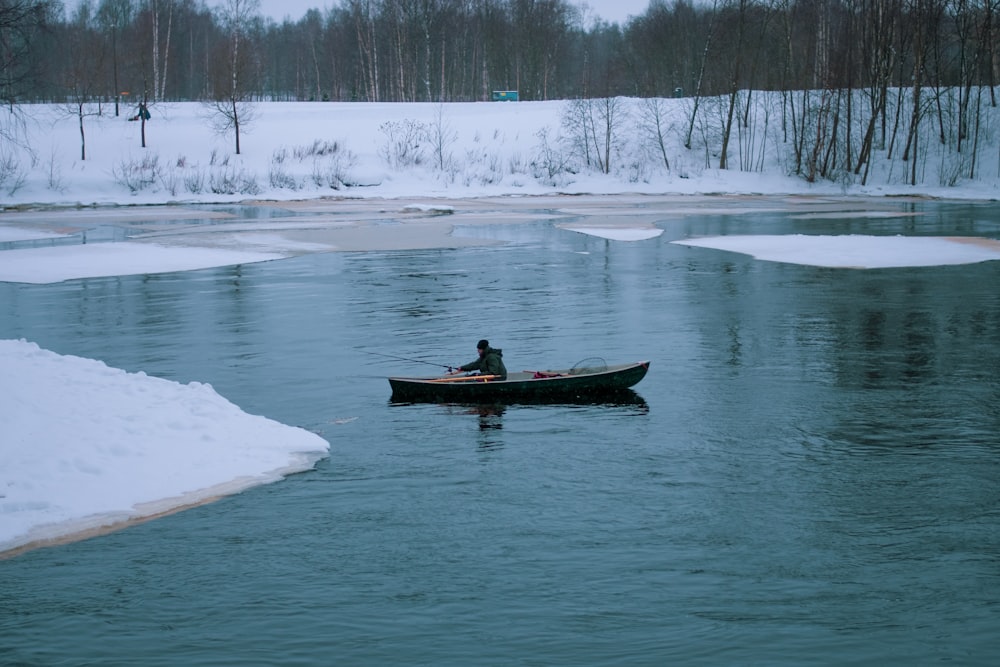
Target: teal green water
x: 813, y: 476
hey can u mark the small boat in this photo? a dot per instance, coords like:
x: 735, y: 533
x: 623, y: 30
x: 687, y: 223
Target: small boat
x: 572, y: 384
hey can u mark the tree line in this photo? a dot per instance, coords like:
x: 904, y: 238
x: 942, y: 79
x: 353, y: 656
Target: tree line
x: 462, y: 50
x: 853, y: 76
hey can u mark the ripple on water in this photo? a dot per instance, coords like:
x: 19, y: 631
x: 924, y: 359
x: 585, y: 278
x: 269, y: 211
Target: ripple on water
x: 812, y: 471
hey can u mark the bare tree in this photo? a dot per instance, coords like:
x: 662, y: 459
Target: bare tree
x: 362, y: 13
x: 576, y: 120
x: 701, y: 75
x: 441, y: 135
x: 594, y: 126
x: 878, y: 62
x: 735, y: 74
x: 114, y: 16
x: 611, y: 115
x: 84, y: 75
x: 927, y: 16
x: 160, y: 12
x: 21, y: 23
x: 232, y: 106
x: 653, y: 124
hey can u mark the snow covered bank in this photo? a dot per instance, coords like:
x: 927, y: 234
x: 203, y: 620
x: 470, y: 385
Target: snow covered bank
x: 305, y: 150
x: 86, y: 447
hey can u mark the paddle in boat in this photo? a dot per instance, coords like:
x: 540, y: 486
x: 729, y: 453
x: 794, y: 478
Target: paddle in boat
x: 577, y: 383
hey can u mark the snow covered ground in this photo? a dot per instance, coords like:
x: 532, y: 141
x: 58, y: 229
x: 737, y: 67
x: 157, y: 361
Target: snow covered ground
x: 79, y: 438
x: 85, y: 446
x: 298, y: 150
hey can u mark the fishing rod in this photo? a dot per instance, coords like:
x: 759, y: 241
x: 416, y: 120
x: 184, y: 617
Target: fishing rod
x: 416, y: 361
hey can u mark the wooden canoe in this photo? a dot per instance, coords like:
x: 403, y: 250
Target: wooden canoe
x: 570, y: 384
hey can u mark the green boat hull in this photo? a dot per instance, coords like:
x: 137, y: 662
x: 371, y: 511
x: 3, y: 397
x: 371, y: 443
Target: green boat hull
x: 564, y: 385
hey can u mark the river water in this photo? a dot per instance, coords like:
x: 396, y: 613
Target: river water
x: 810, y: 473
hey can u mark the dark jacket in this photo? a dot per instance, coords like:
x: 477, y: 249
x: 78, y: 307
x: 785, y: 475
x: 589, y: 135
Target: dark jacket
x: 491, y: 363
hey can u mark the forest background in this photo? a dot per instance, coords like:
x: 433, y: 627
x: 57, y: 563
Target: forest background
x: 844, y: 82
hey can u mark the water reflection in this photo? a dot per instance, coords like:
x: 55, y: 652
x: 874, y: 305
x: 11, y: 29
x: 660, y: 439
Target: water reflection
x: 490, y: 416
x: 611, y: 398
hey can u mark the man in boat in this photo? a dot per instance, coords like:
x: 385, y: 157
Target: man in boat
x: 490, y: 361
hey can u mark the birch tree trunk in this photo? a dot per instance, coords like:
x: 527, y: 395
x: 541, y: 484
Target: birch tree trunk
x: 701, y: 75
x: 166, y: 52
x: 154, y: 10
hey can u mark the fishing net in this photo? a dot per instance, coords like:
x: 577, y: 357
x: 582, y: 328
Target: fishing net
x: 589, y: 365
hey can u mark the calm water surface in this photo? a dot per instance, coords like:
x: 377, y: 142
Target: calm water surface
x: 811, y: 476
